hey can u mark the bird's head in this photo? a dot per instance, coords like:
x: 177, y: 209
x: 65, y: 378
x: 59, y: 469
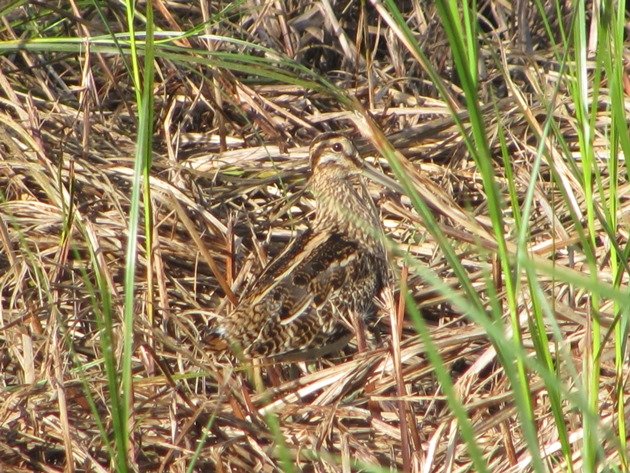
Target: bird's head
x: 334, y: 152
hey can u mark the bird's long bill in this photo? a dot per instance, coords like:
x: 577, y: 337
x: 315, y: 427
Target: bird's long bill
x: 380, y: 178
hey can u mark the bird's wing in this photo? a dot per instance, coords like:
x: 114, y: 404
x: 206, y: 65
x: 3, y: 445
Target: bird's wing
x: 293, y: 291
x: 304, y: 275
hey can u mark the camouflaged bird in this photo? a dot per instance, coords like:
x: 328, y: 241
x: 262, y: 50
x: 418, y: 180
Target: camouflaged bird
x: 331, y: 271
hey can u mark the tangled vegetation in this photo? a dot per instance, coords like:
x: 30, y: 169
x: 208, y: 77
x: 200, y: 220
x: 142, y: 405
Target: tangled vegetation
x: 152, y: 160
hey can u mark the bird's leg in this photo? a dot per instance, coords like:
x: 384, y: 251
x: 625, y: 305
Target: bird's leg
x: 256, y: 375
x: 358, y: 323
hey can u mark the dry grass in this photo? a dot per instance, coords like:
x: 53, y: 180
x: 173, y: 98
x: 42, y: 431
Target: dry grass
x: 228, y: 168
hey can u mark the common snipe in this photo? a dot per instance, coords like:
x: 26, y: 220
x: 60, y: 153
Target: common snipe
x: 331, y: 272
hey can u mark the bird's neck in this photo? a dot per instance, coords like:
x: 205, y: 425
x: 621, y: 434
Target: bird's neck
x: 344, y: 206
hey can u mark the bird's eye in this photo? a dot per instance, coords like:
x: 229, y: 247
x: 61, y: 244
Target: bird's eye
x: 337, y: 147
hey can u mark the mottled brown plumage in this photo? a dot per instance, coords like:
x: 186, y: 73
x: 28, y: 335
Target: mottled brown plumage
x: 333, y: 270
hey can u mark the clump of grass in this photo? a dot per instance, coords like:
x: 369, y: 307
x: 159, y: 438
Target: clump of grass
x: 150, y: 161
